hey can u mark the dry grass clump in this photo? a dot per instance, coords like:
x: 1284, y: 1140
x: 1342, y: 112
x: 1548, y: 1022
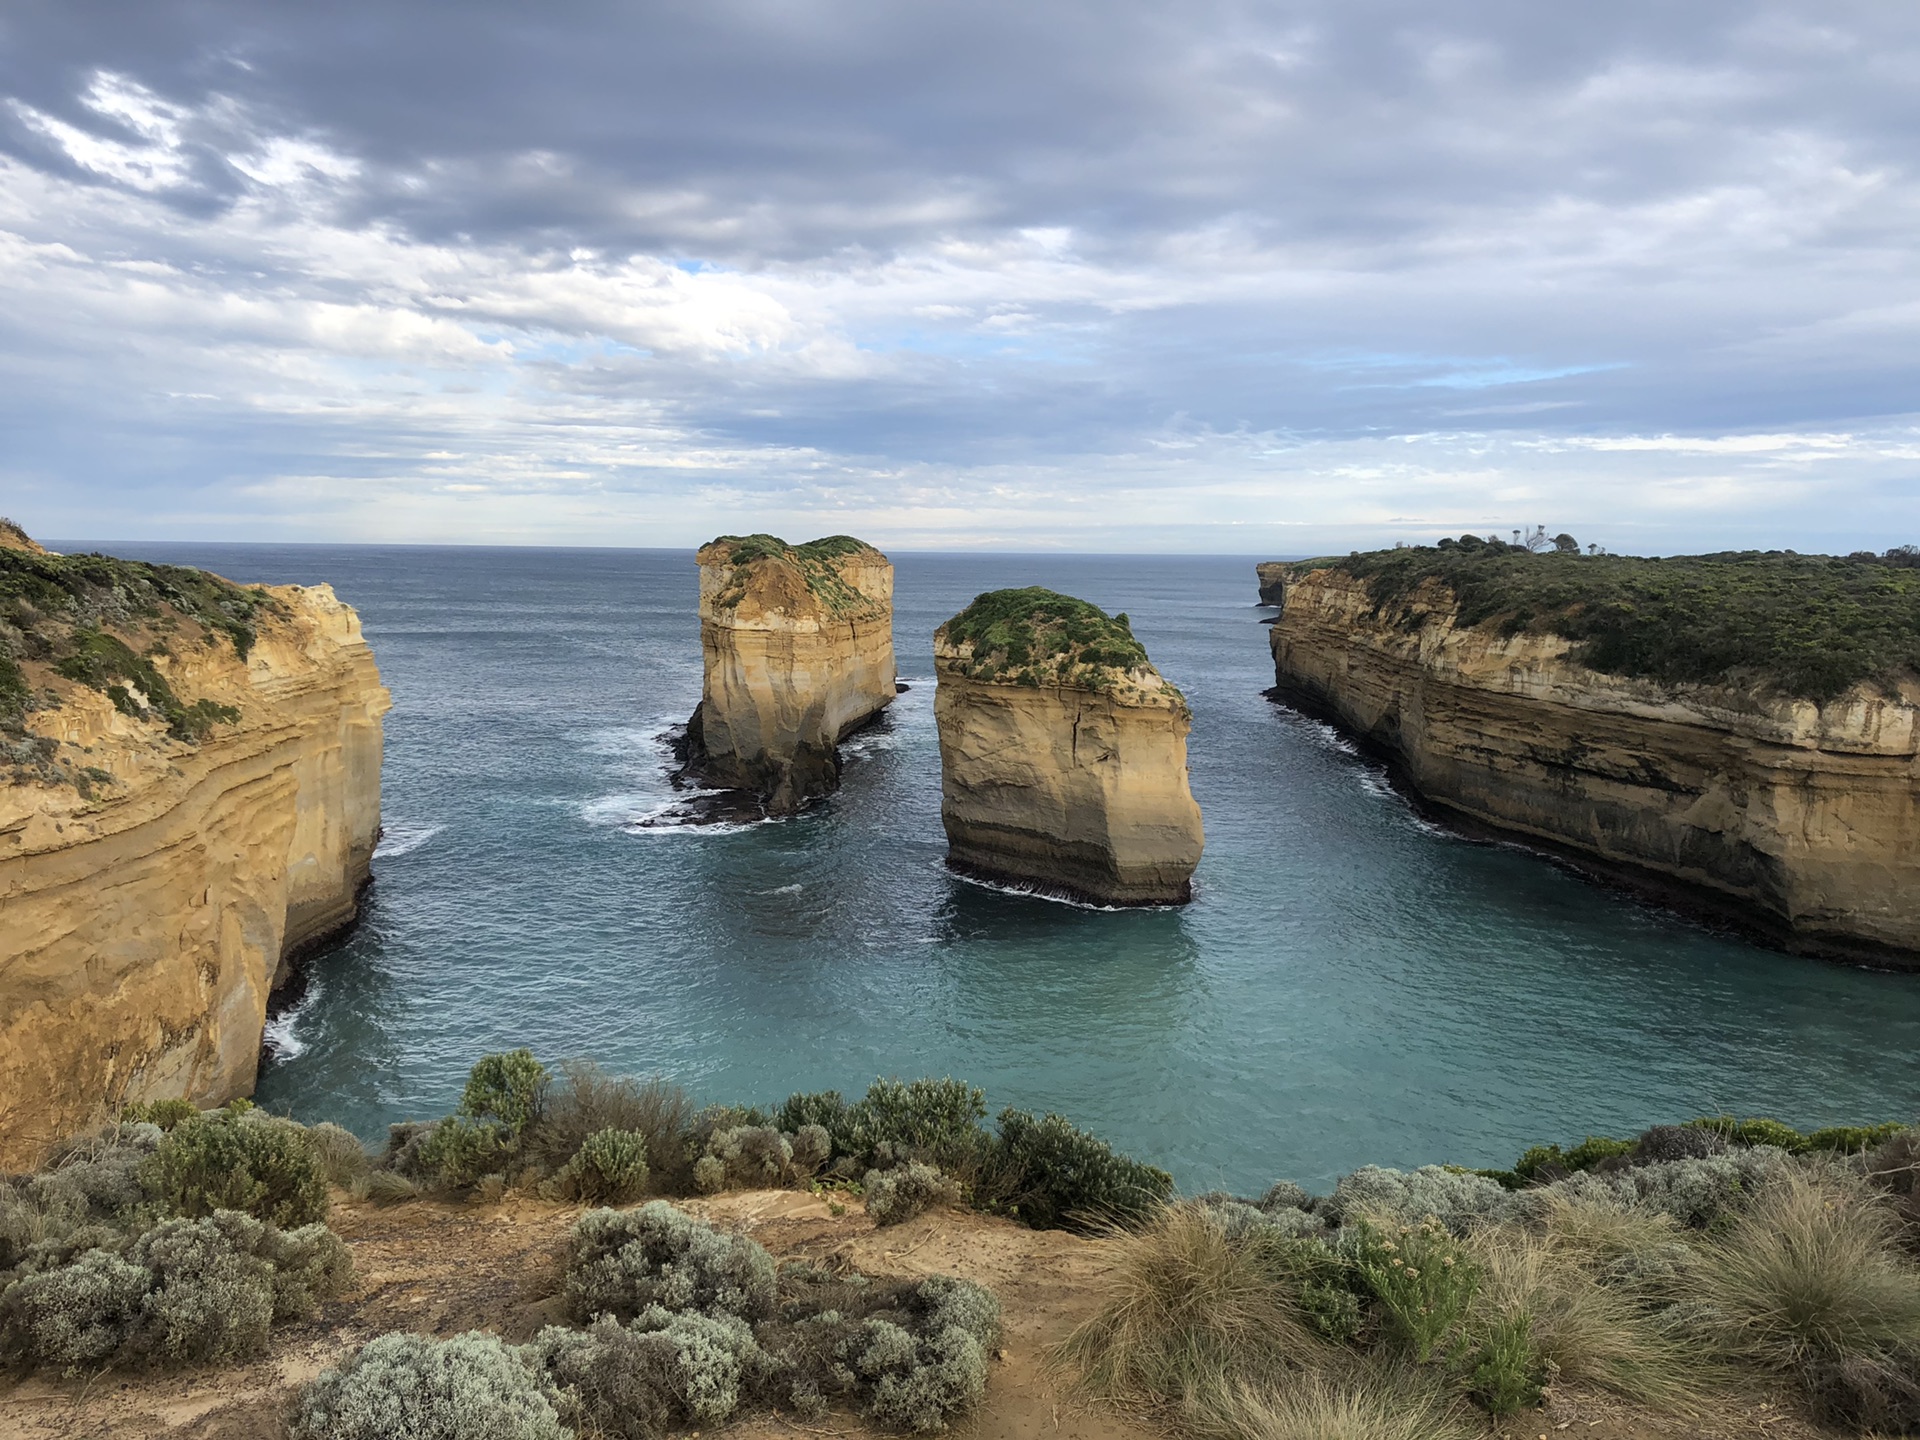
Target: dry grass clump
x: 589, y: 1102
x: 1188, y: 1311
x: 1587, y: 1331
x: 1811, y: 1282
x: 1366, y: 1406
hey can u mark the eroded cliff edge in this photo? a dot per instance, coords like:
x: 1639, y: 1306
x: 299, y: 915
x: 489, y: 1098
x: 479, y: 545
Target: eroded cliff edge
x: 1780, y: 789
x: 1063, y: 753
x: 797, y: 646
x: 192, y: 796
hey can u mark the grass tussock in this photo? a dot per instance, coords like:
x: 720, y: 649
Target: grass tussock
x: 1580, y: 1329
x: 1811, y: 1283
x: 1377, y: 1405
x: 1188, y: 1312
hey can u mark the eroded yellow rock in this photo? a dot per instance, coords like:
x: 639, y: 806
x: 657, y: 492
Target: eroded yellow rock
x: 1059, y: 769
x: 1797, y: 818
x: 144, y: 922
x: 797, y: 643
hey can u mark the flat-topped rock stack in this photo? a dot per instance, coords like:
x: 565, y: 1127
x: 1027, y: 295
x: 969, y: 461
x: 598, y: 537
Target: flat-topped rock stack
x: 1063, y: 753
x: 797, y: 642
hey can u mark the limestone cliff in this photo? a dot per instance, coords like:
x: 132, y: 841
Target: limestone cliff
x: 1798, y: 817
x: 797, y: 642
x: 1273, y: 581
x: 193, y: 796
x: 1063, y: 753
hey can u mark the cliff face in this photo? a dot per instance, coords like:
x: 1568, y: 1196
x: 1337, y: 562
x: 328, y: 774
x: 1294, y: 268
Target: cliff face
x: 1795, y: 817
x: 155, y: 887
x: 1060, y: 773
x: 1273, y: 581
x: 798, y: 649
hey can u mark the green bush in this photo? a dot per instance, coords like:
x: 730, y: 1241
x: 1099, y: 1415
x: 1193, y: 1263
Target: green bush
x: 184, y: 1291
x: 1507, y: 1374
x: 507, y: 1088
x: 896, y: 1196
x: 589, y: 1101
x: 932, y: 1120
x: 1546, y: 1162
x: 620, y: 1262
x: 1066, y: 1178
x: 471, y: 1387
x: 237, y: 1160
x: 825, y: 1108
x: 459, y: 1152
x: 632, y: 1382
x: 1421, y: 1278
x: 1039, y: 636
x: 745, y: 1157
x: 610, y: 1167
x: 916, y: 1376
x: 164, y: 1113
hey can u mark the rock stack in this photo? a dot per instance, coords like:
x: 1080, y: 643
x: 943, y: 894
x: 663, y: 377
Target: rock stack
x: 1063, y: 753
x: 798, y: 648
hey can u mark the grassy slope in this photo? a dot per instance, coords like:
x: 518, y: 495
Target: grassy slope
x: 814, y: 560
x: 1810, y: 626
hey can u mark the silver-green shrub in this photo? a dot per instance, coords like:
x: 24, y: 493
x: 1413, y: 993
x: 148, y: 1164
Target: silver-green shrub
x: 665, y: 1367
x: 812, y: 1148
x: 1696, y: 1192
x: 1459, y: 1200
x: 894, y: 1196
x: 471, y: 1387
x: 78, y: 1315
x: 212, y: 1295
x: 916, y: 1377
x: 621, y: 1262
x: 752, y: 1157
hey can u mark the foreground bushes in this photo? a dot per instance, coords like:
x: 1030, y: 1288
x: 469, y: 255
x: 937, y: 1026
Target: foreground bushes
x: 683, y: 1326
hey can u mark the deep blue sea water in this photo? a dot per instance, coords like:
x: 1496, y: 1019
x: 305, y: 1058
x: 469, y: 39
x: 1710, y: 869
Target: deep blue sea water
x: 1350, y: 985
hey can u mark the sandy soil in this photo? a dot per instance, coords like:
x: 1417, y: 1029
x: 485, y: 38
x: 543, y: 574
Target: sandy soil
x: 440, y: 1270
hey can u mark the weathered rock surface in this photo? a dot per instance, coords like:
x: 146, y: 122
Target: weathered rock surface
x: 1063, y: 753
x: 797, y: 642
x: 1273, y: 581
x: 1795, y: 819
x: 155, y: 889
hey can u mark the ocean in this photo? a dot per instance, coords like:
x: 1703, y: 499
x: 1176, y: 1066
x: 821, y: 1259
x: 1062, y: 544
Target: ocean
x: 1351, y: 985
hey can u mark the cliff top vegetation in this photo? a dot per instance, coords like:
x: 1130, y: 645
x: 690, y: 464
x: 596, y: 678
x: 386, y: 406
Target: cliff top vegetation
x: 1035, y: 636
x: 1809, y: 626
x: 817, y: 562
x: 102, y: 622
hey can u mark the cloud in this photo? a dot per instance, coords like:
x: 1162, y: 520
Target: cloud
x: 1111, y: 275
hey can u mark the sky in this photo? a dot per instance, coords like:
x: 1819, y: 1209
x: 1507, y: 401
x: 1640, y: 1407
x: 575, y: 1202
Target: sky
x: 1242, y: 278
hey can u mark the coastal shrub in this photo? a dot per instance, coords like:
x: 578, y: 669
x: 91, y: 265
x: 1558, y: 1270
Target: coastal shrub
x: 458, y: 1152
x: 896, y: 1196
x: 917, y: 1368
x: 1549, y: 1162
x: 506, y: 1088
x: 1664, y: 1144
x: 1069, y: 1179
x: 1459, y: 1199
x: 1035, y: 635
x: 588, y: 1101
x: 1699, y: 1193
x: 937, y: 1121
x: 747, y: 1157
x: 471, y: 1387
x: 184, y: 1291
x: 1184, y: 1310
x: 812, y: 1148
x: 609, y: 1167
x: 164, y: 1113
x: 237, y: 1159
x: 1421, y: 1277
x: 825, y: 1108
x: 620, y: 1262
x: 632, y: 1382
x: 1809, y: 1282
x: 1507, y: 1372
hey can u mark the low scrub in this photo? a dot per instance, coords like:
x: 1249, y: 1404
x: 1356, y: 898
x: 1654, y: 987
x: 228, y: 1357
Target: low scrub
x: 622, y: 1262
x: 896, y: 1196
x: 471, y: 1387
x: 238, y: 1159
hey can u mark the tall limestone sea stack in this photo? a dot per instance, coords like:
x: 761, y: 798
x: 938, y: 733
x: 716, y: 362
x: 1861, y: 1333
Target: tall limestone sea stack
x: 1739, y: 733
x: 189, y: 796
x: 1063, y: 753
x: 797, y: 642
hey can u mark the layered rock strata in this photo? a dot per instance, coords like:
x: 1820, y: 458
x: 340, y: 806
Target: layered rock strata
x: 1063, y: 753
x: 170, y: 836
x: 797, y: 644
x: 1273, y: 581
x: 1795, y: 819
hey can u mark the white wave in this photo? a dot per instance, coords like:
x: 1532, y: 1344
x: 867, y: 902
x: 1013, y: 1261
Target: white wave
x: 782, y: 890
x: 1049, y: 896
x: 279, y: 1036
x: 401, y: 839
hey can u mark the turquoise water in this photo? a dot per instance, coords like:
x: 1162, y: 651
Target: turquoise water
x: 1349, y: 986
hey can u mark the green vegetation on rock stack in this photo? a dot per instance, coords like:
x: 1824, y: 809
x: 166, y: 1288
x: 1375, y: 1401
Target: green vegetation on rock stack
x: 1037, y: 636
x: 814, y: 560
x: 1810, y: 626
